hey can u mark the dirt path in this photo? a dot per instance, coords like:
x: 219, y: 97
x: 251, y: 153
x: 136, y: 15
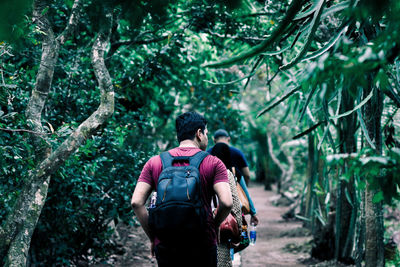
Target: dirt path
x: 269, y: 248
x: 272, y: 238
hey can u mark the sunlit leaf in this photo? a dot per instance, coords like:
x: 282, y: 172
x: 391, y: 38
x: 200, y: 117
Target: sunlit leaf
x: 309, y: 11
x: 278, y: 102
x: 331, y: 43
x: 310, y: 37
x: 378, y: 197
x: 375, y: 159
x: 362, y: 103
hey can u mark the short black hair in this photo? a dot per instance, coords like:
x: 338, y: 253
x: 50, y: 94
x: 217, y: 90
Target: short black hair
x: 220, y: 133
x: 223, y: 152
x: 187, y: 125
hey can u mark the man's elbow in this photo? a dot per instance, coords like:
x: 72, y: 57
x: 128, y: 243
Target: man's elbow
x: 135, y: 204
x: 227, y: 204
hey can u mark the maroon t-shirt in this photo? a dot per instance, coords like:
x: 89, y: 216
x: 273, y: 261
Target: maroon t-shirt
x: 212, y: 171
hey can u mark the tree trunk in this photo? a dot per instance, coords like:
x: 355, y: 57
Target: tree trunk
x: 346, y: 211
x: 336, y: 238
x: 323, y: 234
x: 374, y: 253
x: 311, y: 172
x: 17, y: 232
x: 17, y: 229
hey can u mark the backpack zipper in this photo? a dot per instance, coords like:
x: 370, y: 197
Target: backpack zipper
x: 187, y: 190
x: 165, y: 192
x: 187, y: 185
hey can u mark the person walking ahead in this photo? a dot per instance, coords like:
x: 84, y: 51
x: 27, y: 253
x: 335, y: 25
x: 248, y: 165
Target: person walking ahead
x: 200, y: 250
x: 221, y: 151
x: 237, y: 157
x: 239, y: 162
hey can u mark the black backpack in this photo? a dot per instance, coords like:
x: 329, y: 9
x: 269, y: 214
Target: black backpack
x: 179, y: 212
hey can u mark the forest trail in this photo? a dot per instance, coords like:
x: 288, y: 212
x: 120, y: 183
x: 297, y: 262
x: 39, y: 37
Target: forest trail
x: 273, y: 236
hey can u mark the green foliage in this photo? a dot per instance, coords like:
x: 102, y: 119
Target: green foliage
x: 11, y: 19
x: 155, y: 60
x: 381, y: 172
x: 98, y: 182
x: 15, y: 147
x: 321, y: 63
x: 155, y: 63
x: 394, y: 262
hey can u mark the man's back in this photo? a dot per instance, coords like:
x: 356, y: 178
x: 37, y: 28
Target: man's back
x: 211, y: 170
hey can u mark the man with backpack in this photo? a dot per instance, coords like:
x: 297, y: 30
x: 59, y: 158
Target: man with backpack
x: 181, y: 226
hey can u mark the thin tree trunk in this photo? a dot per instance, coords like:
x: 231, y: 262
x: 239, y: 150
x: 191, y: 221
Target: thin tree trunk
x: 311, y: 171
x: 345, y: 210
x: 12, y: 232
x: 374, y: 253
x: 17, y: 230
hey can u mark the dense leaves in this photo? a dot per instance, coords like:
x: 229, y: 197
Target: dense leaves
x: 303, y: 68
x: 154, y: 60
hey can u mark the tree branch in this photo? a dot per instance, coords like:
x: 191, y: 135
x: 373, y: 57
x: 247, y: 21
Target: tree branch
x: 258, y: 14
x: 91, y: 124
x: 50, y: 48
x: 22, y: 130
x: 116, y: 45
x: 72, y: 22
x: 140, y: 42
x: 17, y: 229
x: 243, y: 38
x: 273, y: 157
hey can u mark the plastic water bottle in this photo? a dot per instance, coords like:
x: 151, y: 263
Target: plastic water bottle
x: 253, y: 234
x: 231, y: 251
x: 153, y: 200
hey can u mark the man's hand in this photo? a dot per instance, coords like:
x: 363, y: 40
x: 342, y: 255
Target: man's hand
x: 254, y: 220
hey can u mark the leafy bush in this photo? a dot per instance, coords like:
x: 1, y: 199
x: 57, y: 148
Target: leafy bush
x: 92, y: 190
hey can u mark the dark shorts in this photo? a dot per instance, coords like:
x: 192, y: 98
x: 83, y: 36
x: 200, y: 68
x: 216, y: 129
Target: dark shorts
x: 185, y: 256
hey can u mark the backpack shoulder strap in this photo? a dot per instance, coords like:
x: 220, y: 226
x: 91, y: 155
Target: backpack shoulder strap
x: 166, y: 159
x: 197, y: 158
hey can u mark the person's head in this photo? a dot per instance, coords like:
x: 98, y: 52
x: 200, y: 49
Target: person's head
x: 192, y: 126
x: 222, y: 151
x: 221, y: 136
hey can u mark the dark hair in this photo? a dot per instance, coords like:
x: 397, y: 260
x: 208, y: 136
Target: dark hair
x: 187, y: 125
x: 220, y: 133
x: 222, y: 151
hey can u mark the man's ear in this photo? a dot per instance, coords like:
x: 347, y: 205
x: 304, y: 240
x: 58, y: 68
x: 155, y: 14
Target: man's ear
x: 198, y: 132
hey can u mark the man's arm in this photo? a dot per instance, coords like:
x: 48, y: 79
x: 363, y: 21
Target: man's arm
x: 246, y: 174
x: 138, y: 201
x: 225, y: 202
